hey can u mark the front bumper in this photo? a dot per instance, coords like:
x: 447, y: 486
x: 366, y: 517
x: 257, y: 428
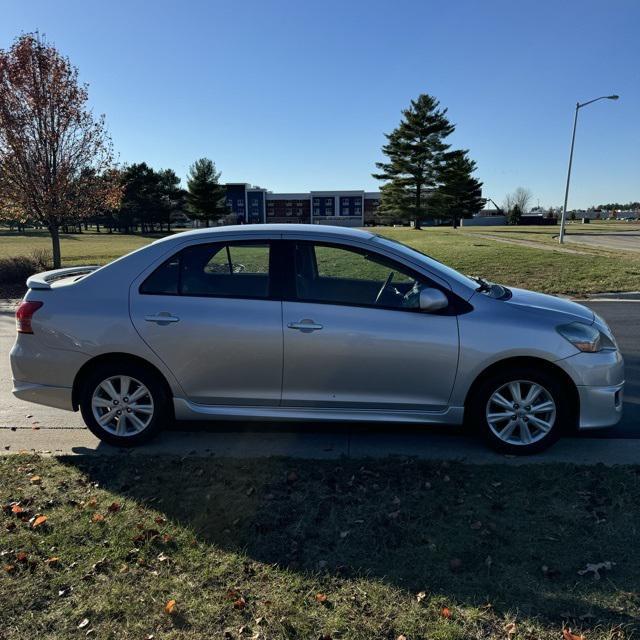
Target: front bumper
x: 58, y: 397
x: 600, y: 406
x: 599, y: 378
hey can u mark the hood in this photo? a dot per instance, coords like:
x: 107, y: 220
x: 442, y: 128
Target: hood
x: 530, y: 300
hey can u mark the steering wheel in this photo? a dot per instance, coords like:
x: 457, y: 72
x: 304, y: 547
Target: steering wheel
x: 387, y: 282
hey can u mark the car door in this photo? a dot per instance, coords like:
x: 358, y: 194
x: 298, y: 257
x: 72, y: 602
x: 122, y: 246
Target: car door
x: 208, y: 312
x: 354, y: 337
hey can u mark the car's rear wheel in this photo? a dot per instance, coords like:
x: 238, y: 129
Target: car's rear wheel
x: 521, y: 410
x: 125, y: 404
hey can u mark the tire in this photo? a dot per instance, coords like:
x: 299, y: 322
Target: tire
x: 145, y: 413
x: 508, y: 433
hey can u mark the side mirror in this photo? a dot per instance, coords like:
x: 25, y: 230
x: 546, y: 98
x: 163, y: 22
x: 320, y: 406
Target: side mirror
x: 432, y: 300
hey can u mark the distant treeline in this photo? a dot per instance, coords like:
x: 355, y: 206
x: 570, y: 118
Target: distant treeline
x: 616, y: 206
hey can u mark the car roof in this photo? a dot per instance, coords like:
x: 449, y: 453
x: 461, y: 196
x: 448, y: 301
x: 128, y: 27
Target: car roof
x: 268, y: 229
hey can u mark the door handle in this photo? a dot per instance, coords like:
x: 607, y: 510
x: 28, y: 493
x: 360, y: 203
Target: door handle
x: 305, y: 325
x: 163, y: 317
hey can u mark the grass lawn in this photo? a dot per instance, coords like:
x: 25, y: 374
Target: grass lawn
x: 586, y: 270
x: 315, y: 549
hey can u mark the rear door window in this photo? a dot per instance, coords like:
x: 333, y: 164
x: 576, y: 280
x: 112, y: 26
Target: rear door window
x: 230, y: 270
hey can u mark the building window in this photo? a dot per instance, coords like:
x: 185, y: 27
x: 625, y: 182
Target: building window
x: 316, y: 211
x: 328, y: 202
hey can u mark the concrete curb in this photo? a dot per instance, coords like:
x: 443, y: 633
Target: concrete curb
x: 321, y: 446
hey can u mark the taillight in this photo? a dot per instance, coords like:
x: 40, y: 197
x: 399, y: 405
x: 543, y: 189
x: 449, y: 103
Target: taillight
x: 24, y: 313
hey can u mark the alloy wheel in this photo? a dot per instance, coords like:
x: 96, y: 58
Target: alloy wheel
x: 122, y: 405
x: 521, y: 412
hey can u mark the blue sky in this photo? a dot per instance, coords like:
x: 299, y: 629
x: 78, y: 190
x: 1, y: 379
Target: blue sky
x: 296, y: 95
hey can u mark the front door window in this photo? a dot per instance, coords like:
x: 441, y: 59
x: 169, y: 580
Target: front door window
x: 339, y: 275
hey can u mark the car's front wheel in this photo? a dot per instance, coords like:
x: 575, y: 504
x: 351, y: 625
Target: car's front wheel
x: 124, y: 405
x: 521, y: 410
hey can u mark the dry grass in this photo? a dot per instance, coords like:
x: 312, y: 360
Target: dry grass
x: 245, y: 547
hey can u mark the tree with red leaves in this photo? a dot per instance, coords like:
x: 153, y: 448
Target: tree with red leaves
x: 55, y: 157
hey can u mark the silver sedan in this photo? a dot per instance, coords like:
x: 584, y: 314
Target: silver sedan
x: 300, y: 322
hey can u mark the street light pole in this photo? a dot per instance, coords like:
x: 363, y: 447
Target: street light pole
x: 573, y: 141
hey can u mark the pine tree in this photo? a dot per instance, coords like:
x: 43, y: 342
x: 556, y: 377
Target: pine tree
x: 460, y: 194
x: 206, y: 196
x: 416, y: 152
x: 515, y: 214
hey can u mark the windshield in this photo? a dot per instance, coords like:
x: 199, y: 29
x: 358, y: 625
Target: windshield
x: 446, y: 271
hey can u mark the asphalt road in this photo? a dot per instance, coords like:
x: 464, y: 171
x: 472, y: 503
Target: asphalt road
x: 626, y: 240
x: 29, y: 426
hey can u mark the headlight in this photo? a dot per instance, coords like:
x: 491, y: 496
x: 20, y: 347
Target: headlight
x: 585, y: 337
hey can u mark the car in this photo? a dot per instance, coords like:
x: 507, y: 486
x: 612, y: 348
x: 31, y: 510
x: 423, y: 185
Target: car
x: 309, y: 323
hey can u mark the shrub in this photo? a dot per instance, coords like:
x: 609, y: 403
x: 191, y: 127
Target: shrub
x: 17, y: 269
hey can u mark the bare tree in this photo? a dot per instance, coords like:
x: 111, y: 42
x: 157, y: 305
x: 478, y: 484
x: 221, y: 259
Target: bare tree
x: 508, y: 202
x: 521, y: 197
x: 54, y: 155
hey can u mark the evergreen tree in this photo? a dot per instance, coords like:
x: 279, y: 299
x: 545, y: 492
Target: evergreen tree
x: 206, y: 196
x: 148, y: 197
x: 416, y: 153
x: 460, y: 194
x: 515, y: 214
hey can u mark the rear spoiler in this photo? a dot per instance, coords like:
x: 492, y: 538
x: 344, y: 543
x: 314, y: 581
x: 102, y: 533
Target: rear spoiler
x: 43, y: 280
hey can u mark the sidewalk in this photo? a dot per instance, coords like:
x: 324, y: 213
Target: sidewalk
x: 332, y: 444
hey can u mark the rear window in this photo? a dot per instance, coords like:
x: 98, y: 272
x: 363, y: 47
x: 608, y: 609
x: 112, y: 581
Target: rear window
x: 233, y: 270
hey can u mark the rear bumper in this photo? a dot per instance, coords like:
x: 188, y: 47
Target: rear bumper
x: 58, y: 397
x: 600, y: 406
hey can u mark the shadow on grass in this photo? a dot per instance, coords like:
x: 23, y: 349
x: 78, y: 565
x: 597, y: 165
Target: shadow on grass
x: 514, y: 537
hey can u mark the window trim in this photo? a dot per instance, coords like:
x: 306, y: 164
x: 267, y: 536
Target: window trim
x: 272, y: 286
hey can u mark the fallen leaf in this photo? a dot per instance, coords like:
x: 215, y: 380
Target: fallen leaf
x: 321, y: 597
x: 16, y: 508
x: 445, y: 612
x: 10, y: 568
x: 97, y: 517
x: 114, y: 507
x: 239, y: 603
x: 344, y: 534
x: 39, y: 521
x: 160, y: 520
x: 567, y: 635
x: 595, y: 568
x: 170, y: 607
x: 53, y: 561
x: 35, y: 479
x: 401, y: 637
x: 83, y: 623
x: 21, y: 556
x: 510, y: 629
x: 421, y: 596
